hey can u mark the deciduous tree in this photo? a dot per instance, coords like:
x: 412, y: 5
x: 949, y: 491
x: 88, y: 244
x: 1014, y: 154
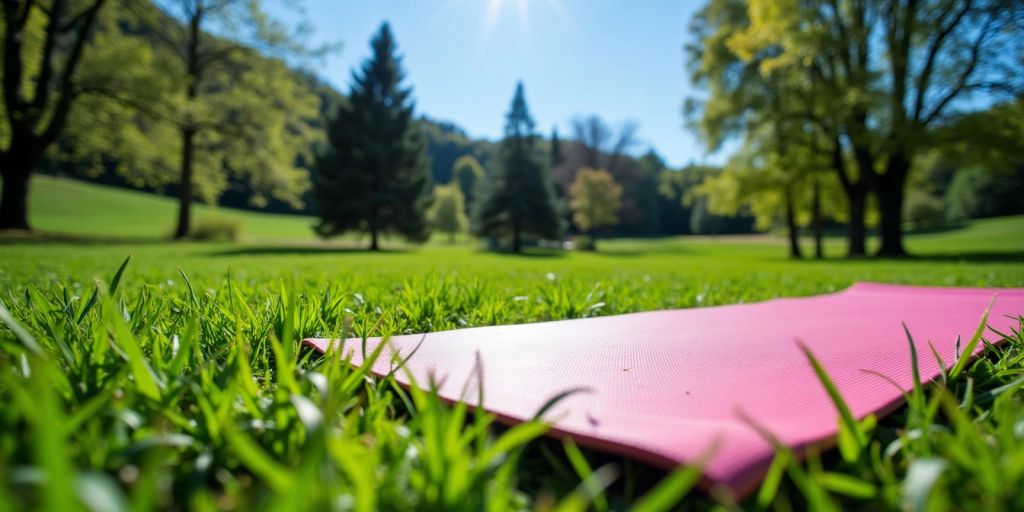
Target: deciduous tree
x: 595, y: 200
x: 448, y: 213
x: 228, y: 100
x: 894, y: 70
x: 468, y: 173
x: 43, y: 45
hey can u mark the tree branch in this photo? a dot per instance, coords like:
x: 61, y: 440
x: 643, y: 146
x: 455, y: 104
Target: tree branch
x: 42, y: 92
x: 66, y: 85
x: 933, y: 51
x: 962, y: 82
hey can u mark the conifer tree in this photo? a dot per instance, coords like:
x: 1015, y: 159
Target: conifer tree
x: 556, y: 149
x: 373, y: 175
x: 520, y: 200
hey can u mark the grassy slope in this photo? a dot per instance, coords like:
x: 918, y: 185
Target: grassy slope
x: 431, y: 288
x: 73, y: 207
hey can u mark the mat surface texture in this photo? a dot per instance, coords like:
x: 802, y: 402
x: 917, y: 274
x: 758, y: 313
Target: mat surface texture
x: 663, y: 386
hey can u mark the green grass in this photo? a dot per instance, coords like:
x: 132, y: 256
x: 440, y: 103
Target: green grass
x: 187, y: 389
x: 76, y: 208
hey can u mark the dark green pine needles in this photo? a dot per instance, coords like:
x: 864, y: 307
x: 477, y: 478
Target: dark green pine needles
x: 520, y: 201
x: 373, y: 175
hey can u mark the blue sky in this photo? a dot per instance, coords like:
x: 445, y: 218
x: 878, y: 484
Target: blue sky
x: 619, y: 59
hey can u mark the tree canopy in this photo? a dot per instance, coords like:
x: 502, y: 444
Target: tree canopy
x: 595, y: 199
x: 869, y: 79
x: 448, y: 213
x: 42, y: 49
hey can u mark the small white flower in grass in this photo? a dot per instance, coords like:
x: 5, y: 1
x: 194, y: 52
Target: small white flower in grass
x: 520, y: 298
x: 551, y: 276
x: 175, y: 345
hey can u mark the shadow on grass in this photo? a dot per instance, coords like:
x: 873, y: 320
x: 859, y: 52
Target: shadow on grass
x: 20, y: 237
x: 969, y: 257
x: 529, y: 252
x: 617, y: 253
x: 286, y: 250
x: 840, y: 234
x: 935, y: 229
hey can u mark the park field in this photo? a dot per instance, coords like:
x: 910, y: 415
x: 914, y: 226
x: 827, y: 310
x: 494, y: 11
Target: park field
x: 178, y: 383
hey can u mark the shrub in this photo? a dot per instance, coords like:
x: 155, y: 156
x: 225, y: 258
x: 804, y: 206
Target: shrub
x: 218, y: 229
x: 584, y: 243
x: 923, y: 210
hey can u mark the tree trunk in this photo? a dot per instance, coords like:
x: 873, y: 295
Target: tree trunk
x: 855, y: 230
x: 185, y: 185
x: 374, y: 245
x: 14, y: 198
x: 855, y: 196
x: 890, y: 206
x: 819, y: 247
x: 794, y: 235
x: 188, y: 131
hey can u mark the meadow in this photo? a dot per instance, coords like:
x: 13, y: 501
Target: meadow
x: 176, y: 380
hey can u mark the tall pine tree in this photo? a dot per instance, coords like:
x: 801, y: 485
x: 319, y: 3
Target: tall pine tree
x: 556, y: 149
x: 373, y: 175
x: 520, y: 201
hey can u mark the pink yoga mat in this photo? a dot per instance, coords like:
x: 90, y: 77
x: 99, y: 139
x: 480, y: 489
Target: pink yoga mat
x: 664, y: 385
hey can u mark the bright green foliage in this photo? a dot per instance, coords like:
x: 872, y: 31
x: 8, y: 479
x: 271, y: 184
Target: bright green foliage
x: 757, y: 183
x: 41, y: 49
x: 199, y: 107
x: 469, y: 174
x: 520, y: 199
x: 873, y: 79
x: 259, y: 116
x: 594, y: 198
x: 923, y: 210
x: 448, y: 213
x: 373, y: 175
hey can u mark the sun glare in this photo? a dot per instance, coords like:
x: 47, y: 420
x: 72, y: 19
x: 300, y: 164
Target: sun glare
x: 495, y: 10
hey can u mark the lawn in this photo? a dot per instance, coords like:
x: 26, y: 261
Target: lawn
x: 61, y: 205
x: 181, y: 383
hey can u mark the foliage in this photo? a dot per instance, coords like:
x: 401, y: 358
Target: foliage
x: 448, y: 213
x: 469, y: 175
x: 41, y: 49
x: 218, y: 229
x: 260, y: 116
x: 876, y: 77
x: 977, y: 192
x: 372, y: 175
x: 923, y: 210
x: 446, y: 143
x: 233, y: 109
x: 598, y: 145
x: 595, y: 199
x: 519, y: 200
